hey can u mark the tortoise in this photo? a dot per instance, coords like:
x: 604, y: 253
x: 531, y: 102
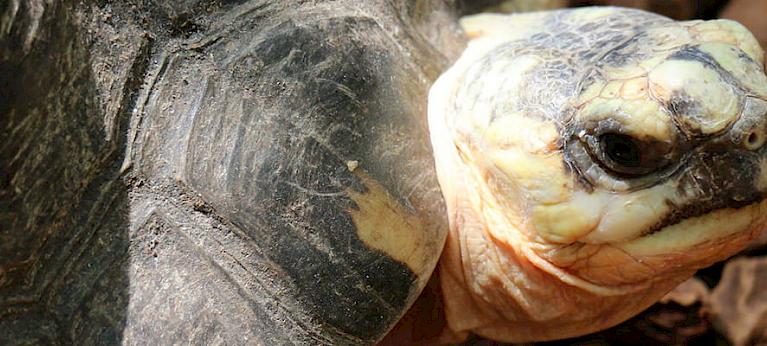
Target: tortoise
x: 266, y: 172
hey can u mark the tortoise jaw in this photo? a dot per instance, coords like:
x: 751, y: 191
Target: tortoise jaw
x: 704, y: 239
x: 677, y: 247
x: 705, y: 183
x: 675, y: 251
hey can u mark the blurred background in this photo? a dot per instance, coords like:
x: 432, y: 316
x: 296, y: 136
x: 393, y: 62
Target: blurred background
x: 725, y: 304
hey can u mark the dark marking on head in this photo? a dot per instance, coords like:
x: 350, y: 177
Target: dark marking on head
x: 686, y: 116
x: 624, y: 53
x: 745, y: 57
x: 714, y: 179
x: 682, y: 107
x: 693, y: 53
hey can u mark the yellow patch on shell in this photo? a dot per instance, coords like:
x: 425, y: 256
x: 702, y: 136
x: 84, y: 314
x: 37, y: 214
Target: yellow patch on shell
x: 691, y: 80
x: 383, y: 224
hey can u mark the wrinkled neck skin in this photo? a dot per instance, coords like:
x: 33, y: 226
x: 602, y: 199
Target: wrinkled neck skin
x: 503, y: 282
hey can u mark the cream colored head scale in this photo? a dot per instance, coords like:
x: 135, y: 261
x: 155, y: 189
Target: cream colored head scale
x: 591, y: 160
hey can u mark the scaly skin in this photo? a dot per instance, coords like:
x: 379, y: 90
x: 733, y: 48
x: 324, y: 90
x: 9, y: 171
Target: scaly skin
x: 554, y: 232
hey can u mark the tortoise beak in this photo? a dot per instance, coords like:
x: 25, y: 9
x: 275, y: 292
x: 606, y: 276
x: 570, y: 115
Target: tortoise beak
x: 716, y: 180
x: 726, y: 171
x: 722, y: 191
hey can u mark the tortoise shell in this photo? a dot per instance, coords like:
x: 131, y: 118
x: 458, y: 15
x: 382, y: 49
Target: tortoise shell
x: 241, y: 173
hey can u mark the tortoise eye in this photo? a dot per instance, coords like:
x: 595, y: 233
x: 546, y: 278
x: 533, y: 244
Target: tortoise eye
x: 628, y: 156
x: 622, y: 150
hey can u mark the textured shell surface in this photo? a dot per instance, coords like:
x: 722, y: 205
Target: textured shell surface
x: 237, y: 172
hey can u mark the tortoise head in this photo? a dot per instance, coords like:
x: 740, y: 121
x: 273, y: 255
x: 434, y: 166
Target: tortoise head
x: 607, y: 154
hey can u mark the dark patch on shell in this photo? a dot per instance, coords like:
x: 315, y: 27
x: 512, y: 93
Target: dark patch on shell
x: 318, y: 98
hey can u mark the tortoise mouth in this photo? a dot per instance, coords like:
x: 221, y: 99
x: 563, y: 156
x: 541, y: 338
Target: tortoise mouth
x: 680, y: 214
x: 675, y: 250
x: 714, y: 236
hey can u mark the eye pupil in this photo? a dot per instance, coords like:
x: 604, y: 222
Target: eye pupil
x: 622, y: 150
x: 626, y: 157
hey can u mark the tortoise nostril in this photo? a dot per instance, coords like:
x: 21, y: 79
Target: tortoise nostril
x: 752, y: 138
x: 755, y: 140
